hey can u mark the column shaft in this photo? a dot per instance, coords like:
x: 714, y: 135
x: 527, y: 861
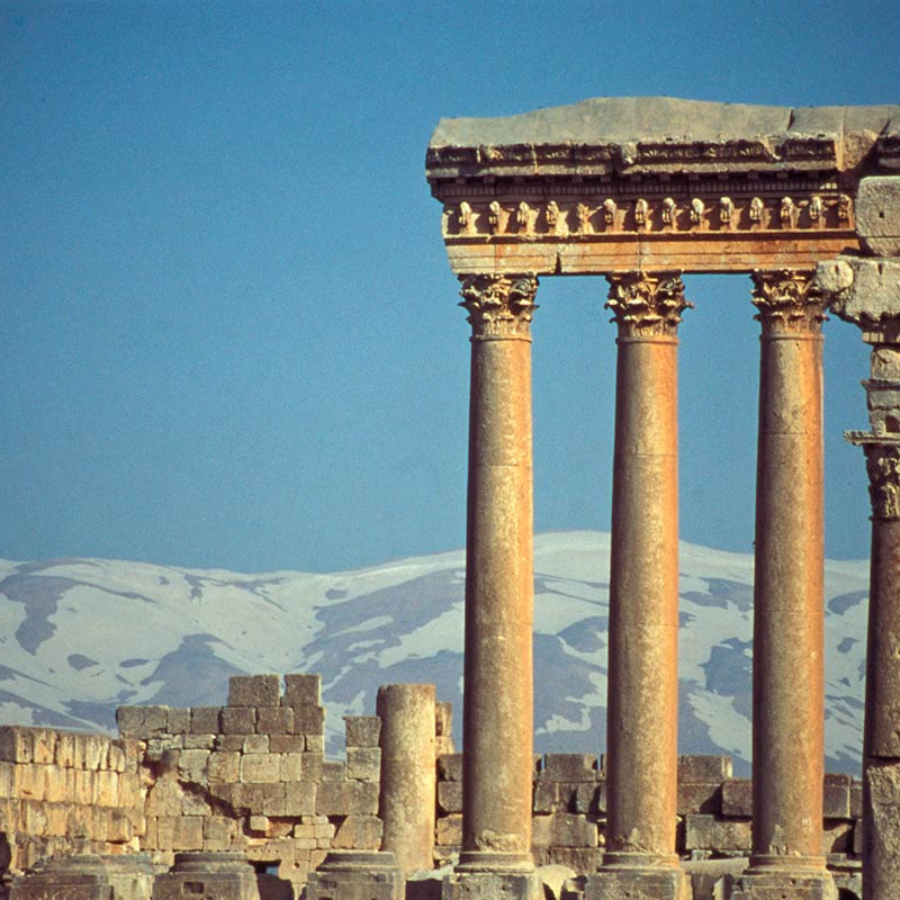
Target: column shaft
x: 408, y: 773
x: 498, y: 697
x: 788, y: 635
x: 643, y: 632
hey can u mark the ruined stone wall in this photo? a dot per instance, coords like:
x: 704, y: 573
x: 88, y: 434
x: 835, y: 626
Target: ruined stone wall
x: 65, y: 792
x: 252, y: 776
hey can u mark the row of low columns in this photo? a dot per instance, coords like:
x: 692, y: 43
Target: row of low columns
x: 643, y: 677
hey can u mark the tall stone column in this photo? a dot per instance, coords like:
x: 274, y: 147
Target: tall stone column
x: 408, y: 773
x: 498, y: 760
x: 642, y: 707
x: 866, y: 292
x: 788, y: 623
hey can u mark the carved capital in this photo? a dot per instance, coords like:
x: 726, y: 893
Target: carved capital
x: 883, y: 469
x: 787, y: 302
x: 645, y: 305
x: 499, y: 306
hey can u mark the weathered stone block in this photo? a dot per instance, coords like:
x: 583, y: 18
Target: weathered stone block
x: 702, y: 768
x: 878, y: 214
x: 178, y: 720
x: 591, y: 798
x: 362, y: 731
x: 192, y: 765
x: 229, y: 743
x: 449, y: 794
x: 302, y: 690
x: 261, y: 768
x: 200, y: 741
x: 490, y: 886
x: 699, y: 798
x: 291, y: 767
x: 314, y: 743
x: 254, y: 690
x: 332, y: 770
x: 737, y: 797
x: 256, y: 743
x: 450, y: 767
x: 836, y: 796
x: 223, y: 767
x: 205, y: 719
x: 358, y: 833
x: 569, y: 767
x: 347, y: 798
x: 702, y: 832
x: 777, y: 886
x: 356, y: 875
x: 364, y: 763
x: 238, y: 720
x: 449, y: 831
x: 563, y: 830
x: 545, y: 799
x: 308, y: 719
x: 300, y: 799
x: 275, y: 720
x: 142, y: 721
x: 286, y: 743
x: 216, y: 876
x: 646, y: 884
x: 312, y: 766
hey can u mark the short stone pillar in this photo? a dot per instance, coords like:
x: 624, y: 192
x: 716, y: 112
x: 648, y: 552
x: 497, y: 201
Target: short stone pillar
x: 221, y: 875
x: 789, y: 614
x: 642, y: 710
x: 356, y: 875
x: 866, y: 292
x: 408, y: 773
x: 498, y: 696
x: 87, y: 877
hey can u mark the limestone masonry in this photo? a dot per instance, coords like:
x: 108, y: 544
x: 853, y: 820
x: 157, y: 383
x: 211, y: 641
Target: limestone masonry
x: 244, y: 798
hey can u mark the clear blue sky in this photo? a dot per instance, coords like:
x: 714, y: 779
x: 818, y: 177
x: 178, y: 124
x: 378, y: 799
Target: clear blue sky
x: 230, y: 334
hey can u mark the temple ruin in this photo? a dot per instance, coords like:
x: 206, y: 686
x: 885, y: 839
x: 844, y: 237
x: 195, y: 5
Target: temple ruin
x: 240, y: 802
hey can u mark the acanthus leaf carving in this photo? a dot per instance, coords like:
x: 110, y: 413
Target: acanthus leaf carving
x: 499, y: 306
x: 883, y: 469
x: 645, y: 305
x: 788, y: 302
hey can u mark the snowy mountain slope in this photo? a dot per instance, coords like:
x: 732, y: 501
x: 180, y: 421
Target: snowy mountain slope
x: 80, y: 637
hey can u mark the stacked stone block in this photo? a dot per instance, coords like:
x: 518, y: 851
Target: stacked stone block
x: 63, y: 792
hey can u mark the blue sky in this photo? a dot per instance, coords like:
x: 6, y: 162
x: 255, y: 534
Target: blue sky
x: 230, y: 334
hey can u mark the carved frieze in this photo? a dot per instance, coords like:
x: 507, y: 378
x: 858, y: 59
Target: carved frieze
x: 787, y: 302
x: 645, y: 304
x: 569, y: 214
x: 499, y: 306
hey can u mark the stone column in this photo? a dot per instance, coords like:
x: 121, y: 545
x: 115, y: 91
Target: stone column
x: 788, y: 624
x: 498, y: 760
x: 643, y: 629
x: 408, y: 773
x: 866, y: 292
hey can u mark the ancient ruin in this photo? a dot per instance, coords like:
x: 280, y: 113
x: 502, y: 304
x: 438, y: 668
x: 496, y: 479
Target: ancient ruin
x: 240, y: 801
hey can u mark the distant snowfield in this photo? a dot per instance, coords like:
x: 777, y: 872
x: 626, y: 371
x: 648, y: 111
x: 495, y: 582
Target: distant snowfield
x: 80, y: 637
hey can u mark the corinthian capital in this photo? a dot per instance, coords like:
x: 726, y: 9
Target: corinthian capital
x: 499, y: 306
x: 644, y: 305
x: 787, y: 302
x: 883, y: 468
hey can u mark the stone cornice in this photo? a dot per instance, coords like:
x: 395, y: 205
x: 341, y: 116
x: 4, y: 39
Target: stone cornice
x: 647, y: 305
x: 499, y: 307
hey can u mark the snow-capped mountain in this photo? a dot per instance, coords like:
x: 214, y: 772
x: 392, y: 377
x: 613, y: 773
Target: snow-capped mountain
x: 80, y: 637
